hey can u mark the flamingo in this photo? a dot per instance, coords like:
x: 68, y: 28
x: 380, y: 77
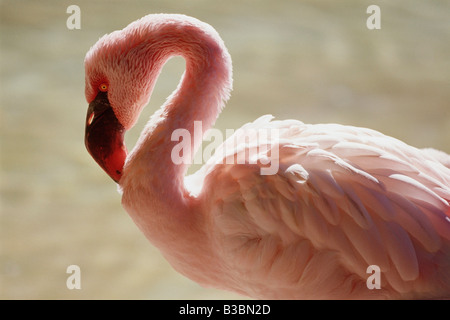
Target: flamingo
x: 342, y: 199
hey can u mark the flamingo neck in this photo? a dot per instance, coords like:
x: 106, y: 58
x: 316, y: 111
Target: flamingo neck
x: 151, y: 180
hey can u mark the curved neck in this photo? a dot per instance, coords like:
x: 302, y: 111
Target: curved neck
x: 204, y: 87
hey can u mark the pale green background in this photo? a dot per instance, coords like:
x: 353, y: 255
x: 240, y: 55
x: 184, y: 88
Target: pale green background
x: 311, y: 60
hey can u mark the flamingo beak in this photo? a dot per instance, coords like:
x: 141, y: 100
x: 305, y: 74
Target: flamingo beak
x: 104, y: 137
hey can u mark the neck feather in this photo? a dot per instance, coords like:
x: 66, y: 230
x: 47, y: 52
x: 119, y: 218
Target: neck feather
x: 150, y: 175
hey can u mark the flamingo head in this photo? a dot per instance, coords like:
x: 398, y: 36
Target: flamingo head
x: 121, y: 70
x: 116, y: 88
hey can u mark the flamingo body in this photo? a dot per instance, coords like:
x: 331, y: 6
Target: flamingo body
x: 343, y: 198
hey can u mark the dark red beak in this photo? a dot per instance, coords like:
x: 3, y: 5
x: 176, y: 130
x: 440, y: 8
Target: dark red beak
x: 104, y: 137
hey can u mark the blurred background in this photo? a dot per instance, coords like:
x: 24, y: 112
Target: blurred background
x: 315, y: 61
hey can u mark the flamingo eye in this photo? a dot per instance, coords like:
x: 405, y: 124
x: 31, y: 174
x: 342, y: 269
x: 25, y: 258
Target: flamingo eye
x: 103, y: 87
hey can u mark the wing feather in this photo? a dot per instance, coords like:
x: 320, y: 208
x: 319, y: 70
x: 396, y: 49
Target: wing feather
x: 343, y: 196
x: 401, y: 250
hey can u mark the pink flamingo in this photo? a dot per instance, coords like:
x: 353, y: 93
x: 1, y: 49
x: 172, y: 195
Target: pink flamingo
x: 343, y: 198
